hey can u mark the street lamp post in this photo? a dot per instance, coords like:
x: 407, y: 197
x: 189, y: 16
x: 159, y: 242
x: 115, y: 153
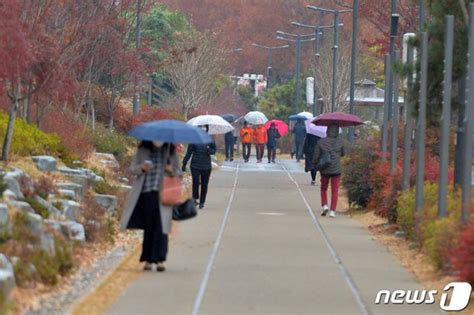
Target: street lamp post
x: 317, y: 33
x: 299, y: 39
x: 270, y: 59
x: 355, y: 34
x: 335, y: 48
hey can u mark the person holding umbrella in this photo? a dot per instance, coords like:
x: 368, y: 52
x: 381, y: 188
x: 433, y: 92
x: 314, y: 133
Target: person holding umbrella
x: 260, y: 141
x: 201, y: 168
x: 246, y: 136
x: 155, y: 154
x: 229, y: 138
x: 229, y: 146
x: 327, y: 156
x: 299, y: 132
x: 272, y: 135
x: 332, y: 149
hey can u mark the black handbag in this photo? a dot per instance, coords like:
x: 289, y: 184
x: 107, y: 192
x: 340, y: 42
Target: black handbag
x: 185, y: 211
x: 324, y: 161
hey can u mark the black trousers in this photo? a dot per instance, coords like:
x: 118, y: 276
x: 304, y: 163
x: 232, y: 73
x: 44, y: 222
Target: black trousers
x: 200, y: 178
x: 229, y: 149
x: 271, y: 150
x: 313, y: 175
x: 155, y: 243
x: 246, y: 150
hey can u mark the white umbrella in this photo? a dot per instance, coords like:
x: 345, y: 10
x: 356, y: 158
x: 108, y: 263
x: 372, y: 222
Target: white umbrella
x: 306, y: 114
x: 320, y: 131
x: 256, y: 118
x: 217, y: 124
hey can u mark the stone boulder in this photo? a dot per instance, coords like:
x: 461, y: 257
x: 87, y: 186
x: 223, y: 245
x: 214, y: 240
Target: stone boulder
x: 47, y: 244
x: 45, y: 163
x: 68, y: 194
x: 34, y: 222
x: 21, y: 206
x: 7, y: 277
x: 13, y: 185
x: 54, y: 213
x: 78, y: 189
x: 74, y: 231
x: 9, y: 196
x: 108, y: 202
x: 106, y: 159
x: 5, y: 222
x: 71, y: 209
x: 53, y: 225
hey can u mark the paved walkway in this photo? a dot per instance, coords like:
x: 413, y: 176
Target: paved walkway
x: 258, y: 248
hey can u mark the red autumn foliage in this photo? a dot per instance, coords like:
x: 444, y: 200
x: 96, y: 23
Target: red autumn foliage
x: 125, y: 120
x: 74, y: 136
x: 386, y: 185
x: 463, y: 256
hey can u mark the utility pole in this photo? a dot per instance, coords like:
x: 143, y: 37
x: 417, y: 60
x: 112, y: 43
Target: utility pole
x: 355, y: 34
x: 270, y: 50
x: 298, y: 40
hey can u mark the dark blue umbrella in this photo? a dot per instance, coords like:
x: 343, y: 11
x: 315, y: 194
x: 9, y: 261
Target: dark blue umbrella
x: 297, y: 117
x: 171, y: 131
x: 230, y: 117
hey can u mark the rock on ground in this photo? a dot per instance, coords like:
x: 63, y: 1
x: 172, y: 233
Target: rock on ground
x: 45, y: 163
x: 74, y: 231
x: 7, y: 277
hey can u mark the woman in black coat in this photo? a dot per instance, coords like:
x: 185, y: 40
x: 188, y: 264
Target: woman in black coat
x: 201, y: 168
x: 310, y: 143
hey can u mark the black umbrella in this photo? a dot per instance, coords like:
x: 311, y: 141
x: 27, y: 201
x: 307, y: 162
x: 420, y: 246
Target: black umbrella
x: 230, y: 117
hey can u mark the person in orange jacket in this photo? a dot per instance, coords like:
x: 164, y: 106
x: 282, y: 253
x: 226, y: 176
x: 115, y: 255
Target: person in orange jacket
x: 260, y: 141
x: 246, y: 136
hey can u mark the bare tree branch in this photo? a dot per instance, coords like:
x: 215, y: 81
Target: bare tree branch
x: 194, y: 76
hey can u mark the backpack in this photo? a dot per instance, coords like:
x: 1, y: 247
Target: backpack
x: 324, y: 161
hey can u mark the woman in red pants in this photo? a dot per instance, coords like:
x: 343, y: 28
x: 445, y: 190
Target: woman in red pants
x: 330, y: 149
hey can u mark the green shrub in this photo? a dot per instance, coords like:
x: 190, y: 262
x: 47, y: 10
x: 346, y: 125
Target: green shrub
x: 440, y: 236
x: 50, y: 267
x: 64, y: 256
x: 38, y: 207
x: 356, y: 177
x: 29, y: 140
x: 102, y: 187
x: 20, y: 230
x: 436, y: 236
x: 3, y: 185
x: 23, y: 274
x: 106, y: 141
x: 46, y: 267
x: 406, y: 209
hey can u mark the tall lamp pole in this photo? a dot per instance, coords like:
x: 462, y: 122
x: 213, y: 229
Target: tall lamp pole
x: 335, y: 48
x: 270, y: 50
x: 355, y: 34
x: 317, y: 33
x: 298, y: 40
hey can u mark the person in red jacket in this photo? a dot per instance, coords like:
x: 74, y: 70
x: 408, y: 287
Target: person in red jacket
x: 260, y: 141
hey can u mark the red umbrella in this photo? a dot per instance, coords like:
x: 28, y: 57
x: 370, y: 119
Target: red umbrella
x: 279, y: 125
x: 337, y: 118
